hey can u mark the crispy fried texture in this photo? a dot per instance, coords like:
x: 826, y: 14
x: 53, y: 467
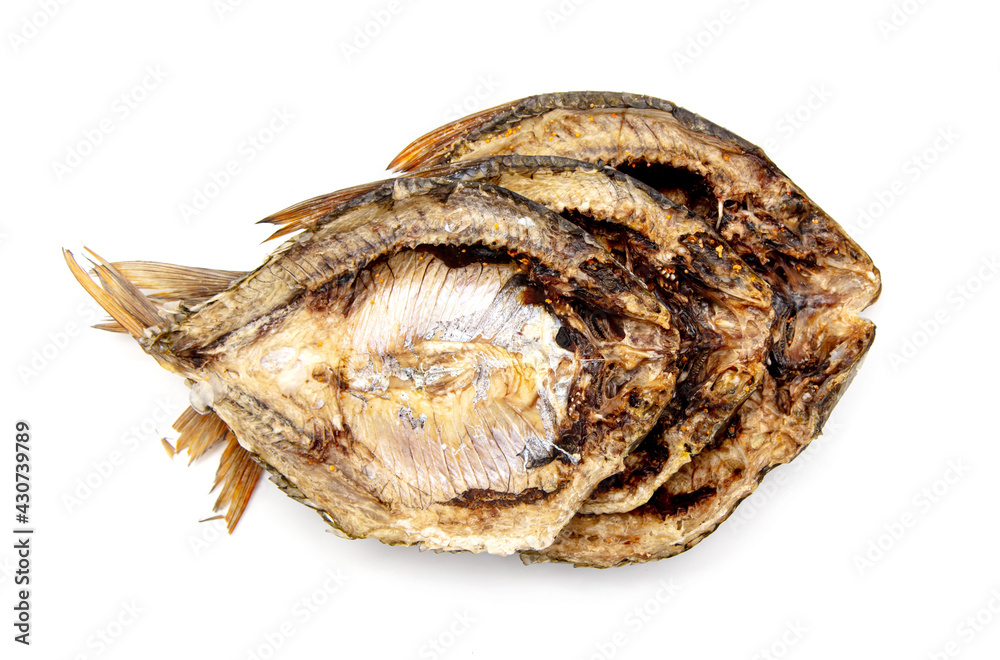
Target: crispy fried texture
x: 581, y: 326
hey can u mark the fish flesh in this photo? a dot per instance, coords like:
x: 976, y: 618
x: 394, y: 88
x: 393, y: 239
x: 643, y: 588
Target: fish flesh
x: 721, y: 309
x: 438, y: 363
x: 578, y: 326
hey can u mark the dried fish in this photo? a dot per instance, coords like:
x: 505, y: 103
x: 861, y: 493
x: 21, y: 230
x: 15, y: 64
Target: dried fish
x: 579, y: 326
x: 438, y: 363
x: 721, y: 309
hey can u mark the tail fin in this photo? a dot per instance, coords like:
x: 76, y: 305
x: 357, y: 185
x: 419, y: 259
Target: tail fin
x: 117, y: 291
x: 123, y: 283
x: 169, y: 283
x: 119, y: 297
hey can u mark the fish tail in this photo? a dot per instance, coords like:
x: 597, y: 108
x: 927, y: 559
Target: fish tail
x: 138, y: 294
x: 116, y: 294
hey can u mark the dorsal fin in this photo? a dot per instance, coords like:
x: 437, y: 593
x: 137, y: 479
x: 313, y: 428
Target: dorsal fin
x: 237, y: 473
x: 307, y: 213
x: 425, y: 150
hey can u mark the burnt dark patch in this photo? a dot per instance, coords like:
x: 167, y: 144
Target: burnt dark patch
x: 320, y: 301
x: 532, y: 295
x: 564, y: 339
x: 680, y: 186
x: 668, y: 505
x: 602, y: 326
x: 728, y: 433
x: 654, y: 456
x: 612, y: 280
x: 460, y: 256
x: 477, y: 498
x: 628, y: 246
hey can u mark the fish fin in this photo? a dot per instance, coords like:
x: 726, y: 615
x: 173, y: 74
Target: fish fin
x: 238, y: 474
x: 198, y: 433
x: 119, y: 297
x: 430, y: 149
x: 110, y: 325
x: 312, y: 211
x: 168, y: 282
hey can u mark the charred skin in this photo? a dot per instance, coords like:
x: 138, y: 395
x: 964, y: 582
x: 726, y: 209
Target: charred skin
x: 720, y: 307
x: 765, y: 217
x: 815, y: 270
x: 771, y: 428
x: 384, y: 408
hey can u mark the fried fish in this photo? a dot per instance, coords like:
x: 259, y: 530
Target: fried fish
x: 578, y: 326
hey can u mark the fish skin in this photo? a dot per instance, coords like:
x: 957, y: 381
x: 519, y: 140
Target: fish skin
x: 777, y: 223
x: 453, y: 141
x: 820, y: 279
x: 814, y: 269
x: 706, y: 491
x: 673, y: 239
x: 217, y: 344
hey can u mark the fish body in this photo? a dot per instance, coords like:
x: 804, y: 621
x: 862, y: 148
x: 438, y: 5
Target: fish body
x: 577, y: 326
x: 416, y: 392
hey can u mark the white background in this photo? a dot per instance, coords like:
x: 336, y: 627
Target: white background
x: 797, y: 572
